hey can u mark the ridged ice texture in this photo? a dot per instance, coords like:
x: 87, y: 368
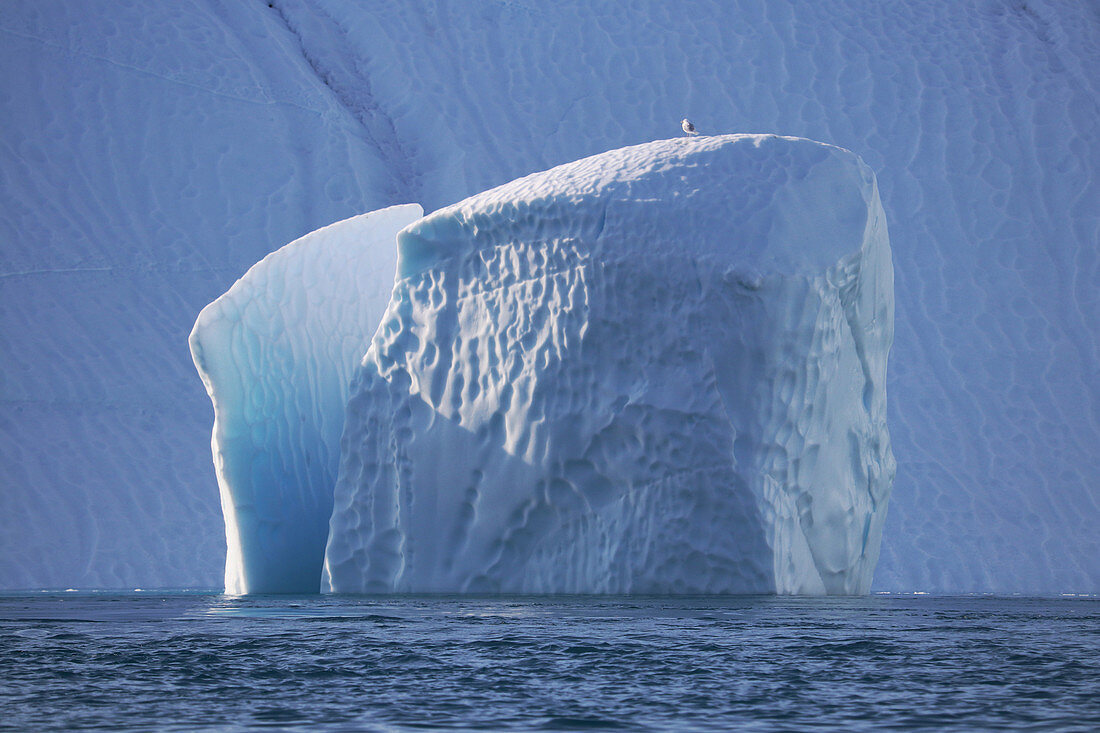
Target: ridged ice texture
x: 660, y: 369
x: 276, y: 353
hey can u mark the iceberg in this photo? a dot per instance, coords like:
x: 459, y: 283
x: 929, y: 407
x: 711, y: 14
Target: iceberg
x: 660, y: 369
x: 154, y: 151
x: 276, y: 353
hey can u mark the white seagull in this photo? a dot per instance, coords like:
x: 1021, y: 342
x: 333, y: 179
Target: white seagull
x: 688, y: 127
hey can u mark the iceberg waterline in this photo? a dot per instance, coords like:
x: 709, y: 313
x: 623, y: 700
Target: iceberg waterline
x: 659, y: 369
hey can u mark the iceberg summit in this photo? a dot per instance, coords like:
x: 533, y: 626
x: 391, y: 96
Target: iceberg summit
x: 656, y: 370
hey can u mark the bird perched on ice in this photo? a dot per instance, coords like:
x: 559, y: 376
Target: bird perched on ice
x: 688, y: 127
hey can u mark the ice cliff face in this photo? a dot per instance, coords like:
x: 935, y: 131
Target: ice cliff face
x: 276, y: 353
x: 659, y: 369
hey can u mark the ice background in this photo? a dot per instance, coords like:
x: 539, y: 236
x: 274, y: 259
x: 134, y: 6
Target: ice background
x: 151, y: 153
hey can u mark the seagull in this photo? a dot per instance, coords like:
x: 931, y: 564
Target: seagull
x: 688, y: 127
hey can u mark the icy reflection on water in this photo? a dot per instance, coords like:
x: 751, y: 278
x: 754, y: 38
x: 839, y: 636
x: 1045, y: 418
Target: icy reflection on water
x: 208, y: 661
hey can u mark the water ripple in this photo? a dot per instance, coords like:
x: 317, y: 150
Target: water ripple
x: 208, y: 662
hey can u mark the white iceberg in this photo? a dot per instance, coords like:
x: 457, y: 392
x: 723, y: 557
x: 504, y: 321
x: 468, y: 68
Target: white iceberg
x: 659, y: 369
x: 276, y: 353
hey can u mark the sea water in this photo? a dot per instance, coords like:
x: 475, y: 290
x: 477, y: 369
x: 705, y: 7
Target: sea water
x: 197, y: 661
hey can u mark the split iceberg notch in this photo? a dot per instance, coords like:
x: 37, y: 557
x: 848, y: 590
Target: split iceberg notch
x: 660, y: 369
x: 276, y: 353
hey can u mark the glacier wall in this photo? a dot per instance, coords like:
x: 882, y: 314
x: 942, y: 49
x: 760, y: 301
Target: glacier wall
x: 659, y: 369
x: 153, y: 152
x: 276, y: 353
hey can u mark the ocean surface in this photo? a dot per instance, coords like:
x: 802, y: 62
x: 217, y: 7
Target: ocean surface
x: 195, y: 661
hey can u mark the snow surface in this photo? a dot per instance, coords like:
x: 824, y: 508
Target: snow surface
x: 659, y: 369
x: 276, y: 353
x: 151, y: 152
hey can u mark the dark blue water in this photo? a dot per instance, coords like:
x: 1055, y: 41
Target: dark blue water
x: 211, y: 662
